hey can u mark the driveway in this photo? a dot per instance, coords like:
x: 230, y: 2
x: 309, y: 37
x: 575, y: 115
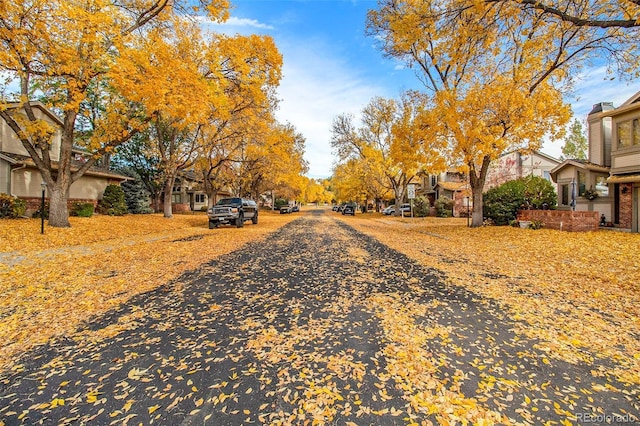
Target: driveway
x: 319, y: 324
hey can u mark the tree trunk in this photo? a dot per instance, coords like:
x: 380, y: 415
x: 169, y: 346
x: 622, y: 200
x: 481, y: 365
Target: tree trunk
x: 58, y: 208
x: 168, y: 192
x: 476, y: 181
x: 477, y: 217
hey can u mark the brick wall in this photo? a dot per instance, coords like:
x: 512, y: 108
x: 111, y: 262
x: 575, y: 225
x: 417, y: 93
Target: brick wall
x: 564, y: 220
x: 626, y: 205
x: 180, y: 208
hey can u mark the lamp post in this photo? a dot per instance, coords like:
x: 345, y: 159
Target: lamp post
x: 43, y: 184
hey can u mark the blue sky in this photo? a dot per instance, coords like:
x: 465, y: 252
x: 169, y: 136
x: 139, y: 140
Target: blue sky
x: 331, y: 67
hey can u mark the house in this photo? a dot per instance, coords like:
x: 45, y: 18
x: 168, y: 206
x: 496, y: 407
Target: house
x: 515, y: 165
x: 20, y: 177
x: 188, y: 192
x: 451, y: 184
x: 609, y: 181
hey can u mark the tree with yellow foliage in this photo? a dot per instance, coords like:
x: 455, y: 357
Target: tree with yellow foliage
x: 57, y: 50
x: 271, y: 161
x: 252, y: 70
x: 496, y: 69
x: 393, y: 145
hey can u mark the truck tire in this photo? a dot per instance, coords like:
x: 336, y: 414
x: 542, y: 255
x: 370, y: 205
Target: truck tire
x: 254, y: 219
x: 240, y: 221
x: 212, y: 224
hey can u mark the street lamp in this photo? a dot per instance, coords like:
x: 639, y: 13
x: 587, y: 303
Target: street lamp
x: 43, y: 184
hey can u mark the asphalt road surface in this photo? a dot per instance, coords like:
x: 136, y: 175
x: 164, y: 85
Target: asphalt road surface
x: 319, y: 324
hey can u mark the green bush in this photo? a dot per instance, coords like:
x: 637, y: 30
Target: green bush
x: 501, y: 204
x: 11, y: 207
x: 421, y: 207
x: 82, y: 209
x: 444, y: 207
x: 113, y: 201
x: 38, y: 213
x: 136, y: 197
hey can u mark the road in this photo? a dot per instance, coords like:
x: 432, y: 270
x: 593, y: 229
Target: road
x: 319, y: 323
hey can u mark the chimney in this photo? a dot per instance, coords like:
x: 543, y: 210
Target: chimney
x: 600, y: 107
x: 599, y: 134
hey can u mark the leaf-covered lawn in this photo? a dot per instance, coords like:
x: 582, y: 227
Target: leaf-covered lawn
x: 50, y: 284
x: 320, y: 324
x: 578, y: 293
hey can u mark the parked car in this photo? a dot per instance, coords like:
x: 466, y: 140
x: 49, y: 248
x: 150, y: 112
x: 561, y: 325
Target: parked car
x: 389, y: 210
x: 295, y: 208
x: 334, y: 208
x: 285, y: 209
x: 233, y: 211
x: 341, y: 207
x: 349, y: 208
x: 404, y: 208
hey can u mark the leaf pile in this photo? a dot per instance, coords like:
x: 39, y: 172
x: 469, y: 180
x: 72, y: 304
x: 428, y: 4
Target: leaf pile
x: 52, y: 283
x: 317, y: 324
x: 579, y: 293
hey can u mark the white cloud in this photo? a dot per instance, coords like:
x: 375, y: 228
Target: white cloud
x: 246, y: 22
x: 234, y: 25
x: 316, y: 87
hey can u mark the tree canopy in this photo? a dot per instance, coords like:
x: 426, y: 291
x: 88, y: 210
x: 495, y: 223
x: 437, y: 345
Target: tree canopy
x: 114, y: 70
x: 496, y: 70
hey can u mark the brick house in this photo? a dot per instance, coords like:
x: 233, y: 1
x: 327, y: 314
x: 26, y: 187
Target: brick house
x: 609, y: 181
x: 20, y: 177
x: 515, y: 165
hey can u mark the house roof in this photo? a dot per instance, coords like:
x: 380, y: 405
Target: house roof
x: 538, y: 153
x: 41, y: 107
x: 453, y: 186
x: 630, y: 104
x: 547, y: 156
x: 24, y: 160
x: 623, y: 179
x: 581, y: 164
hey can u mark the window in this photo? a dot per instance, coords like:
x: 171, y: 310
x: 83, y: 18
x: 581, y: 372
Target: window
x: 547, y: 175
x: 176, y: 198
x: 602, y: 188
x: 200, y: 198
x: 434, y: 180
x: 629, y: 133
x: 582, y: 182
x: 565, y: 194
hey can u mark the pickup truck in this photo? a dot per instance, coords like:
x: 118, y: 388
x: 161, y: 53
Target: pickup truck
x: 233, y: 211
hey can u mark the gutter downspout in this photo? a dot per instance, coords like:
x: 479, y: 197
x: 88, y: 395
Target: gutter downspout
x: 24, y: 166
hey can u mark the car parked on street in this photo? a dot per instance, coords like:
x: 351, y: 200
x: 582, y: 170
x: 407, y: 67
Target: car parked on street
x: 285, y: 209
x: 349, y: 208
x: 233, y: 211
x: 389, y: 210
x: 404, y: 209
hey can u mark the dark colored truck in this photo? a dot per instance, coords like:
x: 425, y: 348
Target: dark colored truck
x: 233, y: 211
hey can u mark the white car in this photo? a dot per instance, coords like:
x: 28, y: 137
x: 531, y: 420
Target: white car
x: 389, y: 210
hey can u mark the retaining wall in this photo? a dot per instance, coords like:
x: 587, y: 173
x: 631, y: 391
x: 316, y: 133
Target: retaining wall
x: 564, y: 220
